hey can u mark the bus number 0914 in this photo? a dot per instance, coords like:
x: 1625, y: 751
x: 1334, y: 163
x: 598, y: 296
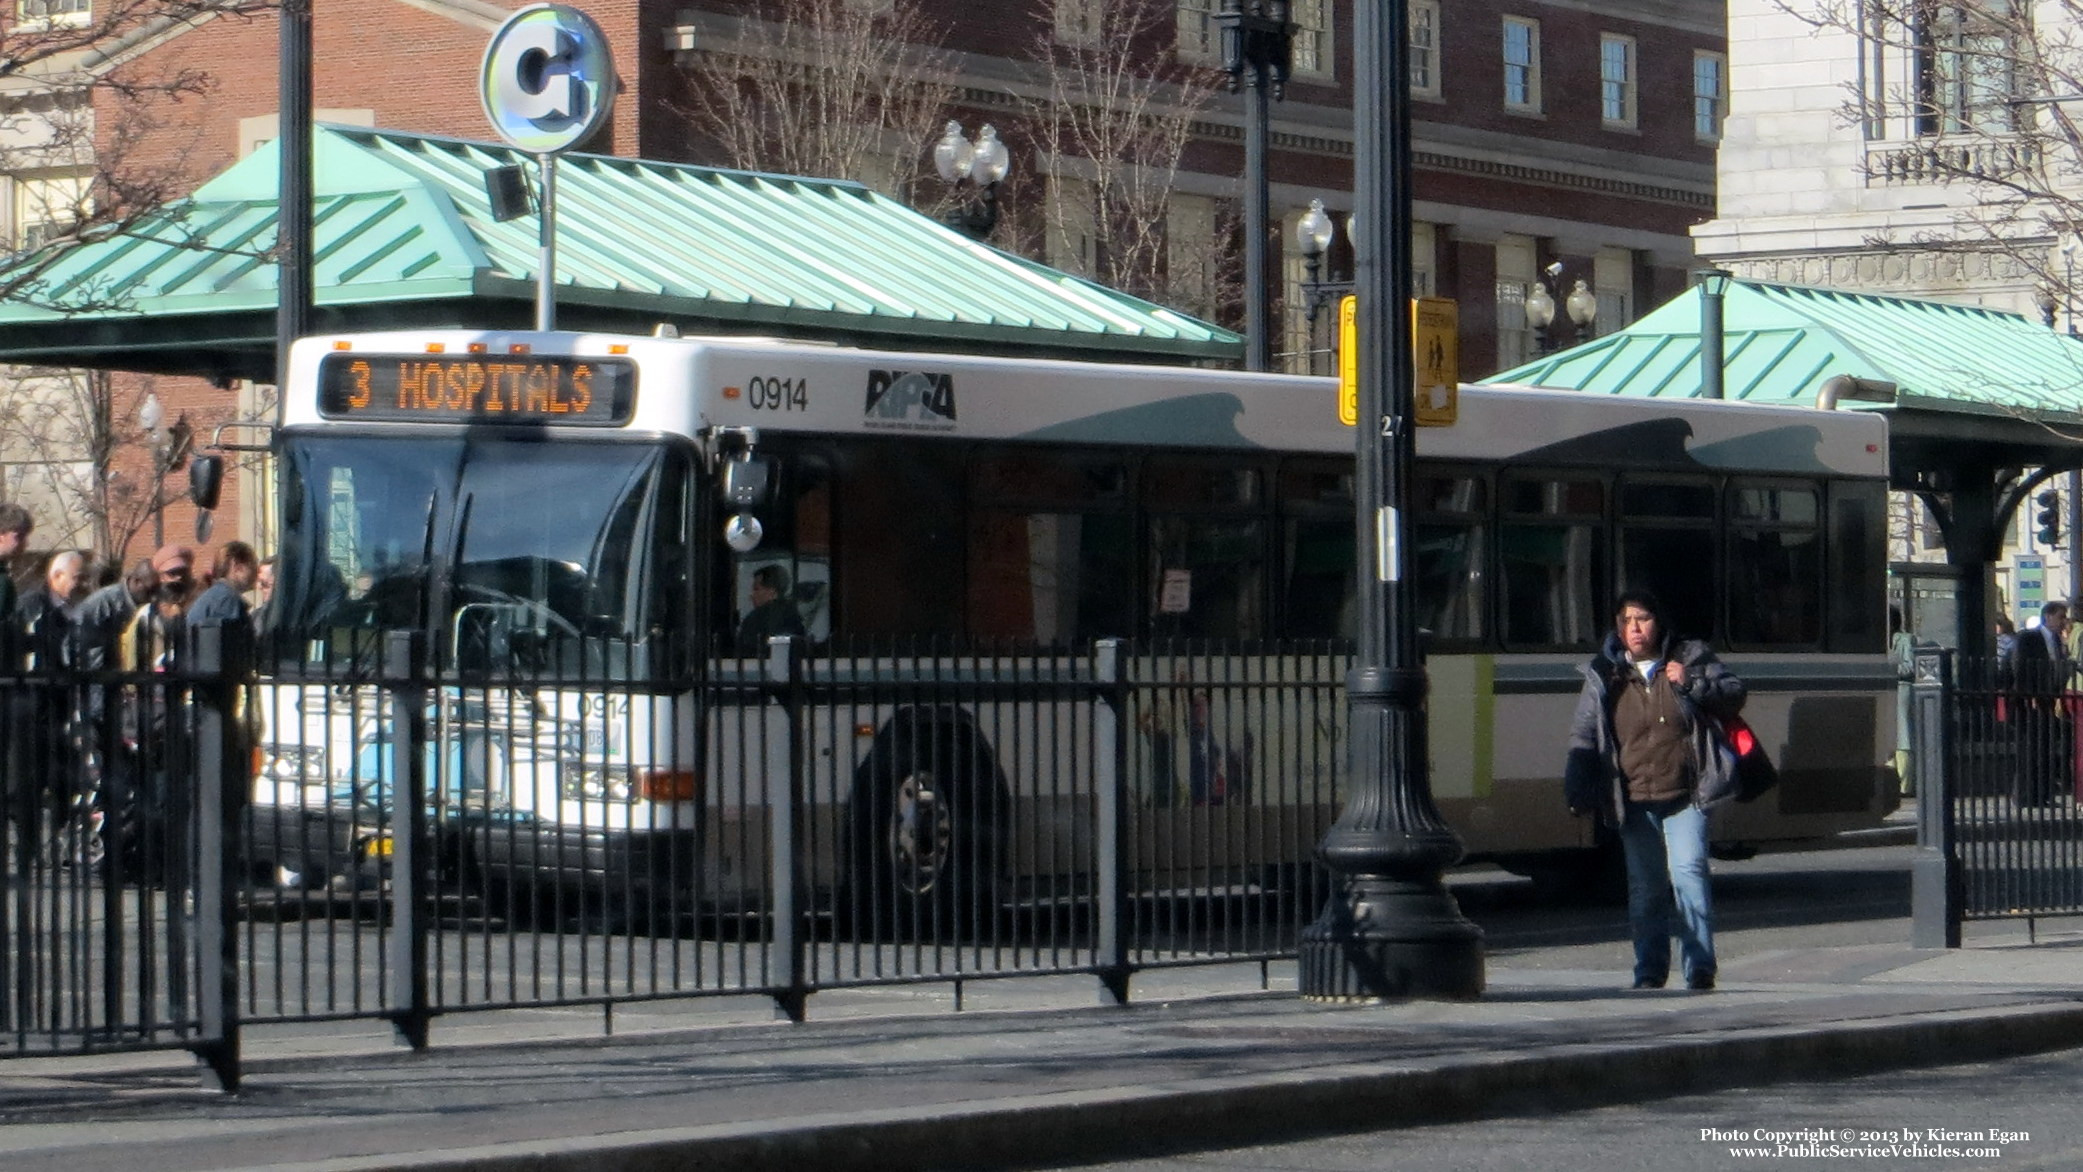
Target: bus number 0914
x: 779, y: 394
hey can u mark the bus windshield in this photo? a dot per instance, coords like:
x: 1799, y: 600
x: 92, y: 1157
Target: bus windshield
x: 513, y: 555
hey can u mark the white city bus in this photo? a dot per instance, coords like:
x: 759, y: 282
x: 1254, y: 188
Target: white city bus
x: 505, y: 492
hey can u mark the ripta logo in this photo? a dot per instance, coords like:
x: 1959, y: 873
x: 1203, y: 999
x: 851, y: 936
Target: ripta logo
x: 898, y: 398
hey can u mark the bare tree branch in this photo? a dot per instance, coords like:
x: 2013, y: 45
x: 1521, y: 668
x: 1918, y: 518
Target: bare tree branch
x: 1113, y: 128
x: 825, y: 88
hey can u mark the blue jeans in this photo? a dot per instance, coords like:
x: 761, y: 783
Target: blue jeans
x: 1666, y: 848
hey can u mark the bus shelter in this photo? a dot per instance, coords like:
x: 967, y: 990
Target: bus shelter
x: 1984, y: 407
x: 405, y: 235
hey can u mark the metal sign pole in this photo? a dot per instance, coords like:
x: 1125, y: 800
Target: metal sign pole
x: 546, y: 267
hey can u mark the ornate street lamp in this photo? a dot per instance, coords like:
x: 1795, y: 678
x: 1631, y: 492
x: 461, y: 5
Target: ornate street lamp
x: 973, y: 169
x: 1258, y: 45
x: 1540, y: 314
x: 1313, y: 234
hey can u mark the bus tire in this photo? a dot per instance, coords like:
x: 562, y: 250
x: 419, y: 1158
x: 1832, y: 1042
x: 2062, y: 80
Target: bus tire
x: 925, y: 833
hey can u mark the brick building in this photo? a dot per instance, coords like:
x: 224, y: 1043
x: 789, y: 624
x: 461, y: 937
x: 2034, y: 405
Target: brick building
x: 1547, y: 134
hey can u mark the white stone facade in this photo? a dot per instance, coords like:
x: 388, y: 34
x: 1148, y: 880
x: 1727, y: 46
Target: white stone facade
x: 1810, y: 192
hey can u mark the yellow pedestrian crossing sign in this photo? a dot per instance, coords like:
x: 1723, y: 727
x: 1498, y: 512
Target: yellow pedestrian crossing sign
x: 1436, y: 336
x: 1436, y: 342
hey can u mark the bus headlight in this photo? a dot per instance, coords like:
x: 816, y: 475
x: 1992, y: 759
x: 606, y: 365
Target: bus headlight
x: 596, y: 782
x: 294, y: 763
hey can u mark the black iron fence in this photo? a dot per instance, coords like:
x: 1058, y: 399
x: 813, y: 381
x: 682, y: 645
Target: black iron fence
x: 115, y: 909
x: 365, y: 832
x: 2000, y: 777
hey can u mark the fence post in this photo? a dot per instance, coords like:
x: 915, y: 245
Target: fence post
x: 1110, y: 758
x: 219, y: 660
x: 785, y: 675
x: 1935, y: 895
x: 405, y: 946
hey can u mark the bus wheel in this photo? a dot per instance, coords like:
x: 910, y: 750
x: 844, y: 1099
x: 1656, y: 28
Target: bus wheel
x: 923, y: 859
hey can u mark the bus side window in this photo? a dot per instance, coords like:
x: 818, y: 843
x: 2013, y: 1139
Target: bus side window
x: 1667, y: 547
x: 1552, y: 561
x: 898, y: 540
x: 794, y: 554
x: 1206, y: 577
x: 1050, y: 548
x: 1858, y: 565
x: 1775, y: 576
x: 1320, y: 587
x: 1452, y: 589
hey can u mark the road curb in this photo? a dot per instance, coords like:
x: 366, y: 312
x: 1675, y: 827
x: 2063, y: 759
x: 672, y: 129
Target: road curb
x: 1122, y: 1123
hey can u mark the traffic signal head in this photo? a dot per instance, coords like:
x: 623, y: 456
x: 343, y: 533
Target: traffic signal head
x: 2049, y: 517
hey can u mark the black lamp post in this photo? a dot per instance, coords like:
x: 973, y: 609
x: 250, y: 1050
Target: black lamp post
x: 1391, y: 929
x: 1258, y: 44
x: 293, y: 218
x: 979, y: 167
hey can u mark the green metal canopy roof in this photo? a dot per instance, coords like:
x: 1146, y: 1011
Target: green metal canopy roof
x: 1975, y: 388
x: 1783, y: 342
x: 404, y: 235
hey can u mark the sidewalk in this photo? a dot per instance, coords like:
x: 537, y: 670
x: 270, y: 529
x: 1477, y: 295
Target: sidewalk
x: 1053, y: 1080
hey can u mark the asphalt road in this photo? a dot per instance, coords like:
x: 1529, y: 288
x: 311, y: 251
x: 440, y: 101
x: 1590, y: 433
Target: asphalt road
x: 2011, y: 1115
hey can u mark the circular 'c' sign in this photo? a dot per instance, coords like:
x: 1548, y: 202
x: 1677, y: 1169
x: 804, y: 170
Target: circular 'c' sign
x: 547, y: 80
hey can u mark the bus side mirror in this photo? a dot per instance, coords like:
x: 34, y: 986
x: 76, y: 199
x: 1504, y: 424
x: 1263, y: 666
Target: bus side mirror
x: 205, y: 480
x: 745, y: 481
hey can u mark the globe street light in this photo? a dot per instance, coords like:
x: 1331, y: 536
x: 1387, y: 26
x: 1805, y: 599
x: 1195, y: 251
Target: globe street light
x: 1540, y: 314
x: 1313, y: 234
x: 979, y: 166
x: 1582, y: 305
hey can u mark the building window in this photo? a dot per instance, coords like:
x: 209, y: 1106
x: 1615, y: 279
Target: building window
x: 1424, y: 260
x: 1515, y: 273
x: 1966, y: 67
x: 1200, y: 38
x: 1077, y: 22
x: 1312, y: 20
x: 1424, y: 48
x: 1193, y: 254
x: 1613, y: 280
x: 53, y: 11
x: 1522, y: 65
x: 47, y: 207
x: 1710, y: 95
x: 1616, y: 80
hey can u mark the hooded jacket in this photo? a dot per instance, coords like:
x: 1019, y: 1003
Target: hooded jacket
x: 1591, y: 779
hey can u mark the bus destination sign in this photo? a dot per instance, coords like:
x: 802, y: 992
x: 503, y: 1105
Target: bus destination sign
x: 477, y: 388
